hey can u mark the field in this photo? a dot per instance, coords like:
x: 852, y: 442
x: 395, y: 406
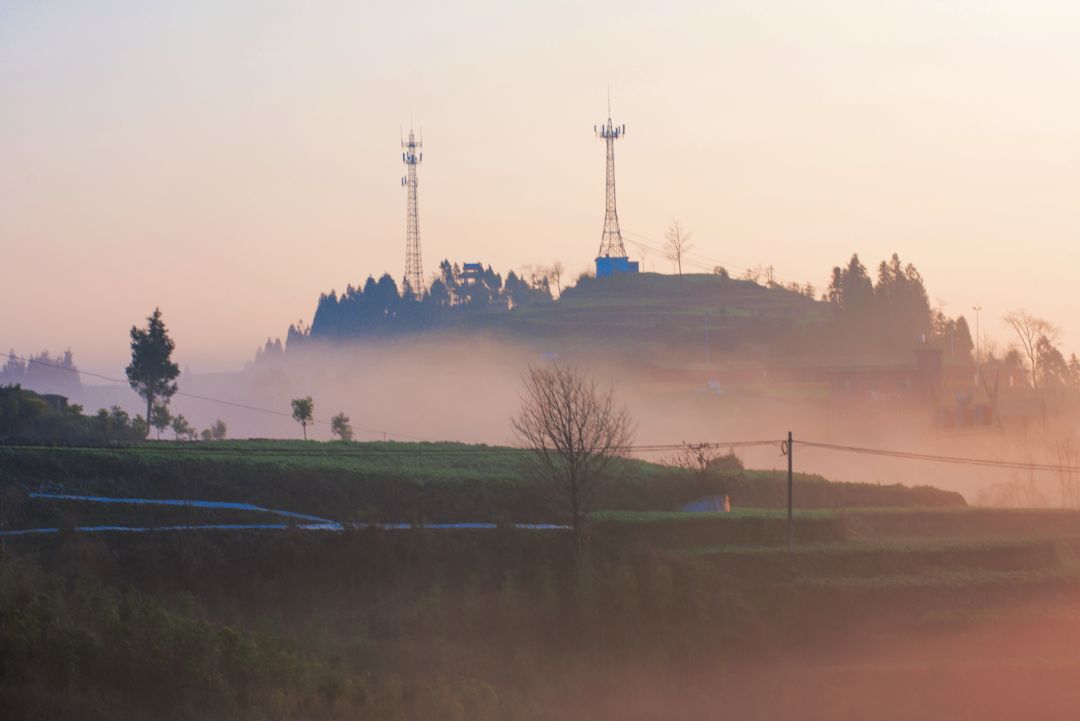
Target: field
x: 884, y: 611
x: 394, y: 482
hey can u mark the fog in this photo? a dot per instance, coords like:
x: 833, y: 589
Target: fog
x: 447, y: 387
x: 1012, y: 662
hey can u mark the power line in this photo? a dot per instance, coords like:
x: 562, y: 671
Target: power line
x: 208, y: 399
x: 693, y: 258
x: 933, y: 458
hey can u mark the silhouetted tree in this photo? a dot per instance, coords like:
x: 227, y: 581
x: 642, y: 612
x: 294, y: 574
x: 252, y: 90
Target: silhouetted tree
x: 303, y: 410
x: 575, y: 432
x: 152, y: 372
x: 180, y: 426
x: 160, y: 418
x: 677, y: 244
x: 339, y: 426
x: 1030, y: 330
x: 218, y: 430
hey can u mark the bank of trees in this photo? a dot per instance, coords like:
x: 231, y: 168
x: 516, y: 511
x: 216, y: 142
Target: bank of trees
x: 382, y: 307
x: 42, y: 372
x: 891, y: 313
x: 26, y: 416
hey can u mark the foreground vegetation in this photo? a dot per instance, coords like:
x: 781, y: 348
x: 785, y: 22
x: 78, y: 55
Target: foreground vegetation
x: 462, y: 625
x: 475, y: 624
x: 395, y: 482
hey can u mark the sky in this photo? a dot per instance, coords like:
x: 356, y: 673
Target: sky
x: 229, y: 161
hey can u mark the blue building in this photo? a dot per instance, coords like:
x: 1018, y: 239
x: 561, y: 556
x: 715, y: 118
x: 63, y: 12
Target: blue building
x: 607, y: 266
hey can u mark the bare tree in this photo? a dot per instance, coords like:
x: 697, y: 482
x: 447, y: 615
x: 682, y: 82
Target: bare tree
x: 555, y: 273
x: 678, y: 244
x: 1030, y: 330
x: 575, y: 432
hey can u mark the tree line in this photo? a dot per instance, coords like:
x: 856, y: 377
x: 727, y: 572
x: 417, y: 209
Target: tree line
x: 43, y: 372
x: 380, y: 307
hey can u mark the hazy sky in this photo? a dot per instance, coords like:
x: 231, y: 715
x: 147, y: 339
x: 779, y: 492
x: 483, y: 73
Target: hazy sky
x: 229, y: 161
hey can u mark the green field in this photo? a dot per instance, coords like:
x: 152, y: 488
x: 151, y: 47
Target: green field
x: 397, y: 482
x: 873, y: 605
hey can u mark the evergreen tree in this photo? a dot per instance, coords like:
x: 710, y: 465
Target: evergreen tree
x: 152, y: 372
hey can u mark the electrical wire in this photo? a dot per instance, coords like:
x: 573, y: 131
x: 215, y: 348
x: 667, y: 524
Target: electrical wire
x: 692, y: 258
x: 956, y: 460
x: 208, y: 399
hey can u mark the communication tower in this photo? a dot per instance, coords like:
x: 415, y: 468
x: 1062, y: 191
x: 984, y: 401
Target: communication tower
x: 414, y: 266
x: 612, y: 256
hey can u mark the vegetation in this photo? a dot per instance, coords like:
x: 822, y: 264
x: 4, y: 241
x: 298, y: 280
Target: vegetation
x: 152, y: 373
x: 855, y: 315
x: 29, y: 417
x: 160, y: 418
x: 181, y: 428
x: 389, y: 481
x: 574, y: 434
x: 303, y: 410
x: 340, y: 427
x: 677, y: 244
x: 44, y: 373
x: 469, y: 625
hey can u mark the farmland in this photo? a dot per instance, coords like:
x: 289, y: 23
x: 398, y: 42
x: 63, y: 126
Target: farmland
x: 875, y: 604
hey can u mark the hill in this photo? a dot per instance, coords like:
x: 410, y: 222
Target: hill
x: 643, y: 310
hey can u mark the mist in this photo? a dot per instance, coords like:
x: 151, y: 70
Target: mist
x: 449, y: 387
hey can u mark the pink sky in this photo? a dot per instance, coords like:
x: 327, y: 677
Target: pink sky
x: 229, y: 161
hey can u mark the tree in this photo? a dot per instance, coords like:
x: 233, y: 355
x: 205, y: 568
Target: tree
x: 339, y: 426
x: 303, y: 409
x: 152, y: 372
x: 160, y: 418
x: 556, y: 273
x: 1029, y: 331
x: 218, y: 430
x: 575, y: 432
x: 180, y: 426
x: 677, y: 244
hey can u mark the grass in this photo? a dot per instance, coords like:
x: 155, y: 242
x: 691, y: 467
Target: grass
x: 420, y: 462
x: 897, y: 546
x: 680, y: 517
x: 957, y: 578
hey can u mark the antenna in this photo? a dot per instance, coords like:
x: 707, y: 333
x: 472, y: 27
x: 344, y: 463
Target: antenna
x: 414, y: 267
x: 611, y: 242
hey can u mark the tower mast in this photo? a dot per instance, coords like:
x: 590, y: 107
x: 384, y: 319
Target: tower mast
x: 611, y: 242
x: 414, y: 266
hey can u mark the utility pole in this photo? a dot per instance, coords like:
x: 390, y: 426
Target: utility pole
x: 790, y: 504
x: 707, y: 363
x: 977, y: 309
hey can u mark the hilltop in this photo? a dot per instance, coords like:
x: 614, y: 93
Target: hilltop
x: 677, y: 316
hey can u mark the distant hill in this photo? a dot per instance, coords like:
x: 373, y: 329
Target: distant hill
x: 679, y: 317
x: 619, y: 313
x: 655, y: 309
